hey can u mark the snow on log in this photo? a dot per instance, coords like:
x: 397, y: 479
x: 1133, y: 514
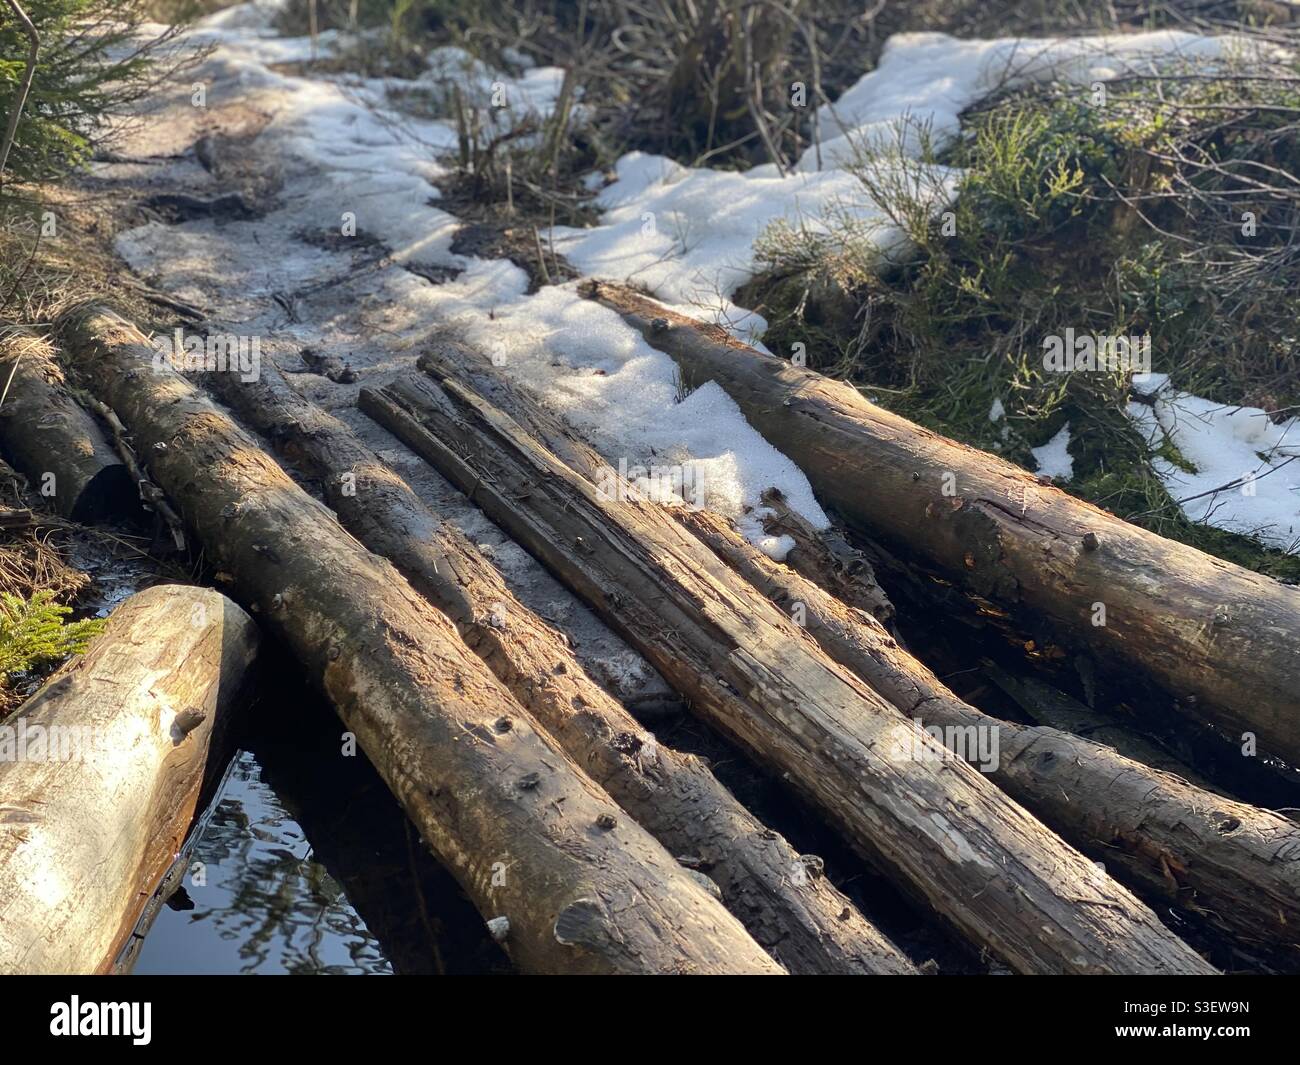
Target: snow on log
x: 1219, y: 638
x: 569, y: 882
x: 941, y: 829
x: 101, y: 773
x: 57, y: 445
x: 803, y: 921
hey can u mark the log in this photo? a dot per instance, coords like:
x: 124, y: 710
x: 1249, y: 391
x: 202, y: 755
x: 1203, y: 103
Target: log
x: 95, y: 805
x: 57, y: 445
x: 530, y: 837
x: 1219, y: 638
x: 1164, y: 831
x: 825, y: 557
x: 1046, y: 705
x: 1234, y: 865
x: 804, y: 922
x: 941, y: 829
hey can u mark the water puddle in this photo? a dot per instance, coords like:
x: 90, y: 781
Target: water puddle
x: 256, y: 899
x: 306, y: 864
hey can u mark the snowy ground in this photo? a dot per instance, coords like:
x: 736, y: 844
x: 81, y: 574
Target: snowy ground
x: 329, y: 157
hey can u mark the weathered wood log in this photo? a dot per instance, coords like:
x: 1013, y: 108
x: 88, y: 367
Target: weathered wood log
x: 823, y: 556
x: 804, y: 922
x: 530, y: 836
x: 1045, y: 705
x: 941, y: 829
x: 1096, y: 799
x: 57, y: 445
x: 1235, y: 865
x: 1219, y: 638
x: 101, y: 773
x: 826, y: 558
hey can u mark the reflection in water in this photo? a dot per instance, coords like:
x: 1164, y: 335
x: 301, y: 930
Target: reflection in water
x: 310, y: 866
x: 267, y: 906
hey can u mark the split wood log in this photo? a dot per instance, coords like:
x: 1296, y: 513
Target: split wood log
x: 102, y: 770
x: 823, y: 556
x: 945, y: 832
x: 531, y: 837
x: 802, y: 920
x: 1167, y: 832
x: 1220, y: 638
x: 57, y: 445
x: 1235, y: 865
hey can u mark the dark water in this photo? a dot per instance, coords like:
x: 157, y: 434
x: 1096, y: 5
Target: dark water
x: 308, y: 865
x: 261, y: 901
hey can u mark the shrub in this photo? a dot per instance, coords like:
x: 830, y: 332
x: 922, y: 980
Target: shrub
x: 34, y: 632
x: 91, y: 65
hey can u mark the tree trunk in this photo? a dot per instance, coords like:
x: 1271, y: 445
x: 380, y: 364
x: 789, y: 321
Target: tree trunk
x: 1219, y: 638
x: 806, y: 924
x: 532, y: 839
x: 57, y: 445
x: 1169, y: 832
x: 940, y: 828
x: 1234, y: 864
x: 101, y: 773
x: 825, y: 557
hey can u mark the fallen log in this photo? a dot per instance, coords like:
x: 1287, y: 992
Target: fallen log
x: 101, y: 773
x: 1168, y: 834
x: 803, y: 921
x: 57, y: 445
x: 943, y: 831
x: 824, y: 557
x: 568, y: 881
x: 1045, y: 705
x: 1235, y: 865
x: 1219, y: 638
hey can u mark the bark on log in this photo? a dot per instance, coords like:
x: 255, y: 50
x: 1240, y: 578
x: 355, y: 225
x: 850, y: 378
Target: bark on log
x: 1218, y: 637
x: 805, y: 923
x: 45, y: 433
x: 131, y: 732
x: 1046, y: 705
x: 944, y: 831
x: 527, y: 833
x: 1235, y: 865
x: 1099, y: 800
x: 824, y: 557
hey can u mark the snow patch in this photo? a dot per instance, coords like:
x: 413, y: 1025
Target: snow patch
x: 1245, y: 475
x: 688, y: 233
x: 1053, y: 458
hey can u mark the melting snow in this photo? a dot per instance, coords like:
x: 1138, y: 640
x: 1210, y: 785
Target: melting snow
x: 1246, y: 478
x: 687, y: 233
x: 1054, y: 458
